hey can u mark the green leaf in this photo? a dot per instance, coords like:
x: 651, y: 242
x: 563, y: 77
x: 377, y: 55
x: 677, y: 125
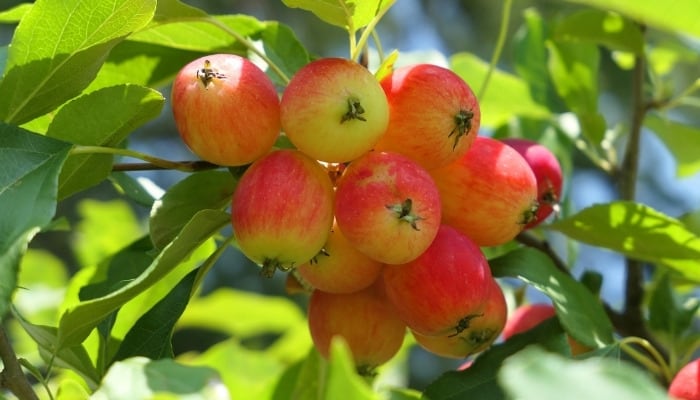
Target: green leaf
x: 282, y: 47
x: 78, y: 320
x: 169, y: 10
x: 151, y: 335
x: 104, y: 117
x: 604, y: 28
x: 666, y: 313
x: 581, y: 314
x: 58, y: 48
x: 342, y: 379
x: 479, y: 380
x: 201, y: 190
x: 534, y: 374
x: 74, y: 357
x: 531, y: 56
x: 28, y: 187
x: 637, y: 231
x: 681, y: 16
x: 14, y: 14
x: 506, y: 96
x: 348, y: 14
x: 573, y: 68
x: 136, y: 189
x: 682, y: 140
x: 242, y: 314
x: 141, y: 378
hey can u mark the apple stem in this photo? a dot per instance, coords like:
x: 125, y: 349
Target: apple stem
x: 153, y: 162
x: 404, y: 212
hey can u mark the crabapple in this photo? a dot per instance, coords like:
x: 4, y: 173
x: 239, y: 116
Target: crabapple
x: 226, y: 109
x: 482, y: 331
x: 489, y: 194
x: 547, y: 171
x: 445, y: 289
x: 365, y: 319
x: 433, y: 114
x: 387, y: 206
x: 282, y: 210
x: 334, y: 110
x: 685, y: 385
x: 339, y: 267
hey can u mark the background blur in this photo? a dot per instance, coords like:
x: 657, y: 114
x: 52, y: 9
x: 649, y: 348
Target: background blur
x: 429, y: 28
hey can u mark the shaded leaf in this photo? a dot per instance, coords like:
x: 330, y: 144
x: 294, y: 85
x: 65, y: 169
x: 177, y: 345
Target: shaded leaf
x: 666, y: 313
x: 168, y: 10
x: 682, y: 140
x: 151, y: 335
x: 637, y: 231
x: 78, y: 320
x: 538, y: 375
x: 479, y: 380
x: 506, y: 96
x: 282, y: 47
x: 9, y: 268
x: 603, y: 28
x: 74, y: 357
x: 579, y: 311
x: 104, y: 117
x: 531, y: 56
x: 680, y: 16
x: 146, y: 378
x: 348, y: 14
x: 58, y: 48
x: 134, y: 188
x: 198, y: 191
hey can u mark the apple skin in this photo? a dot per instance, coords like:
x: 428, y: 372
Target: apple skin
x: 365, y: 319
x: 547, y: 171
x: 489, y: 194
x: 340, y: 268
x: 685, y: 385
x: 282, y: 210
x: 388, y: 207
x: 482, y: 331
x: 334, y: 110
x: 434, y: 115
x: 444, y: 290
x: 227, y: 112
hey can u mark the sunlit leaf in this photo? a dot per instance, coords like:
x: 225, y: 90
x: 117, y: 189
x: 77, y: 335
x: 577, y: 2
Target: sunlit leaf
x: 479, y: 380
x: 58, y: 48
x: 581, y: 314
x: 534, y: 374
x: 604, y: 28
x: 147, y: 378
x: 14, y: 14
x: 104, y: 117
x: 682, y: 140
x: 678, y: 16
x: 169, y: 10
x: 348, y: 14
x: 506, y: 96
x: 78, y: 320
x: 573, y: 68
x: 637, y: 231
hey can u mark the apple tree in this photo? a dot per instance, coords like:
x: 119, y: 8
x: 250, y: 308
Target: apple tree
x: 383, y: 214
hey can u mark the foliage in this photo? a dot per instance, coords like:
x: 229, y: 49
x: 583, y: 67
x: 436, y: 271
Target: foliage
x: 80, y: 77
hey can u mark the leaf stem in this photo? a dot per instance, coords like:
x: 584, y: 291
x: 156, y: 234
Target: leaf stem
x: 367, y: 32
x: 658, y: 365
x: 153, y: 162
x: 12, y: 377
x: 500, y: 42
x: 250, y: 46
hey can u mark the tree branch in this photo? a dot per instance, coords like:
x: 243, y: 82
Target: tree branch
x: 12, y: 377
x: 186, y: 166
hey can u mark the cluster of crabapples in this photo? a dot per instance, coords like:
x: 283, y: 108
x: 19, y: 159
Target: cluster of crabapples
x: 382, y: 204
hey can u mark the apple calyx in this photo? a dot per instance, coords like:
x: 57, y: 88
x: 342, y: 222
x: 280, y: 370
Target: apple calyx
x: 366, y: 371
x: 270, y: 265
x: 463, y: 124
x: 529, y: 214
x: 207, y: 74
x: 463, y: 324
x: 404, y: 213
x: 355, y: 110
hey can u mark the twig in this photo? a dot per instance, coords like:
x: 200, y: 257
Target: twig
x: 189, y: 166
x: 543, y: 245
x: 12, y: 377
